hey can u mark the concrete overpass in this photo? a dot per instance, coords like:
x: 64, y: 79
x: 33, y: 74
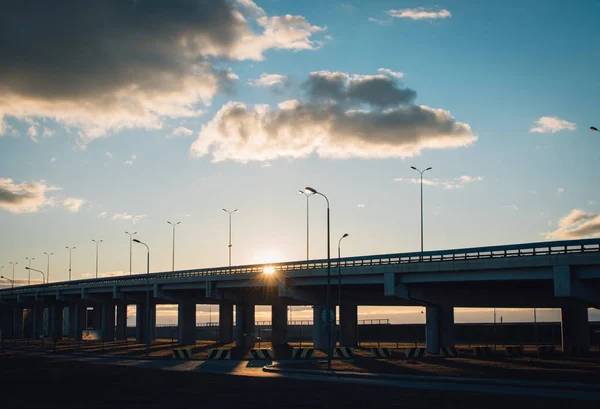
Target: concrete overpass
x: 559, y: 274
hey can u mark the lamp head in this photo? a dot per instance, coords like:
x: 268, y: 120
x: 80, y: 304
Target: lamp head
x: 27, y: 268
x: 345, y: 235
x: 310, y: 190
x: 429, y: 168
x: 224, y: 210
x: 136, y: 240
x: 235, y: 210
x: 593, y: 128
x: 413, y: 168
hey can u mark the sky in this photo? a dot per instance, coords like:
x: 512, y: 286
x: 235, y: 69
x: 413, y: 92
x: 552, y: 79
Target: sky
x: 122, y: 115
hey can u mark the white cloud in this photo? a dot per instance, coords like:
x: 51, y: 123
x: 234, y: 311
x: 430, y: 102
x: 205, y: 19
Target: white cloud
x: 419, y: 13
x: 362, y: 205
x: 560, y: 190
x: 32, y: 133
x: 456, y: 183
x: 267, y: 80
x: 48, y: 132
x: 578, y: 224
x: 110, y: 155
x: 53, y: 159
x: 181, y: 130
x: 134, y: 218
x: 552, y: 124
x: 391, y: 73
x: 265, y: 165
x: 130, y: 160
x: 592, y: 202
x: 378, y: 21
x: 514, y: 207
x: 334, y: 123
x: 73, y: 204
x: 164, y: 61
x: 27, y: 197
x: 102, y: 214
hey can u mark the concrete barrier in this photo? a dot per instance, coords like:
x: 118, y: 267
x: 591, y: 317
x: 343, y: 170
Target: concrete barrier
x: 219, y: 354
x: 449, y: 352
x: 302, y: 353
x: 414, y: 352
x: 343, y: 352
x: 182, y: 353
x: 576, y: 350
x: 482, y: 352
x: 262, y: 353
x: 381, y: 352
x: 545, y: 350
x: 513, y: 350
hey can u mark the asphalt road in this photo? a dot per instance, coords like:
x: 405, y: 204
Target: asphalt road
x: 35, y: 382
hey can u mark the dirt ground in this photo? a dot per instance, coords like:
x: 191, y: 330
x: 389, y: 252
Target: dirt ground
x: 34, y: 383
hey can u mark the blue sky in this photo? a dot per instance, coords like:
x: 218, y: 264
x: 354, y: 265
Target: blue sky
x: 87, y: 149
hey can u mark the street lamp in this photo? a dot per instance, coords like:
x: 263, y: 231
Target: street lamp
x: 48, y: 266
x: 340, y: 282
x: 421, y: 172
x: 97, y: 244
x: 41, y: 272
x: 173, y: 268
x: 12, y: 283
x: 14, y: 264
x: 328, y: 313
x: 130, y: 235
x: 70, y: 250
x: 230, y: 213
x: 307, y: 196
x: 147, y: 296
x: 27, y: 268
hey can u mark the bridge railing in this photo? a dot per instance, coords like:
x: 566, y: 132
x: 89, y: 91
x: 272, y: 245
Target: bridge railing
x: 513, y: 250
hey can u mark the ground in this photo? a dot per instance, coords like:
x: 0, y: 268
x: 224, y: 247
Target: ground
x: 35, y: 382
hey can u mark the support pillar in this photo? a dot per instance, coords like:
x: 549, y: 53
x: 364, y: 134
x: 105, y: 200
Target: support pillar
x: 121, y: 330
x: 225, y: 323
x: 18, y: 322
x: 575, y: 331
x: 7, y: 317
x: 95, y: 317
x: 279, y: 324
x: 108, y: 322
x: 140, y: 323
x: 186, y: 320
x: 348, y: 324
x: 439, y: 327
x: 319, y: 328
x: 79, y: 324
x: 56, y: 321
x: 244, y: 326
x: 28, y: 322
x: 38, y: 320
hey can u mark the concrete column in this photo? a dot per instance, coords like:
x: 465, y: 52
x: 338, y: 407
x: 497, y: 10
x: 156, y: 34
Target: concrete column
x: 95, y: 316
x: 140, y: 323
x: 56, y: 321
x: 319, y: 328
x: 7, y: 317
x: 79, y: 324
x: 18, y: 322
x: 186, y: 320
x: 28, y: 322
x: 575, y: 331
x: 244, y: 327
x: 121, y: 331
x: 225, y: 323
x: 439, y: 327
x: 38, y: 320
x: 108, y: 322
x: 279, y: 324
x: 348, y: 324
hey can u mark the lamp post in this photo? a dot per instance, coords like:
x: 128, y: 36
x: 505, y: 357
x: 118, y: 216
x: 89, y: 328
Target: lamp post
x: 175, y: 224
x: 130, y: 246
x: 97, y: 244
x: 13, y: 265
x: 307, y: 194
x: 70, y: 250
x: 328, y: 313
x: 147, y: 296
x: 12, y: 283
x: 41, y: 272
x: 230, y: 213
x: 421, y: 172
x: 27, y: 268
x: 48, y: 266
x: 340, y: 282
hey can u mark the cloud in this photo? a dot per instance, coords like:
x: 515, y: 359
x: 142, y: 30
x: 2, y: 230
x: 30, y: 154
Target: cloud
x: 131, y: 64
x: 102, y: 214
x: 419, y: 13
x: 53, y: 159
x: 32, y: 133
x: 365, y: 116
x: 456, y: 183
x: 134, y: 218
x: 552, y: 124
x: 387, y: 71
x: 362, y: 205
x: 378, y: 21
x: 560, y: 190
x: 267, y: 80
x: 181, y: 130
x: 514, y: 207
x: 130, y: 160
x: 110, y: 155
x: 27, y: 197
x: 73, y: 204
x: 48, y: 133
x: 578, y: 224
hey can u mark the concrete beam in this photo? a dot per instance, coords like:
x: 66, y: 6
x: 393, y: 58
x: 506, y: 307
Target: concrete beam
x: 566, y: 284
x: 299, y: 294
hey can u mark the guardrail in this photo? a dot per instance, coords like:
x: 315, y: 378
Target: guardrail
x: 512, y: 250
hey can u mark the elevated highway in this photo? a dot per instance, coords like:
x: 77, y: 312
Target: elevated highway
x: 559, y: 274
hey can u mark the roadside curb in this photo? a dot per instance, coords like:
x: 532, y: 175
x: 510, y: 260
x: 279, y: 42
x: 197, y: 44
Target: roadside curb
x: 444, y: 379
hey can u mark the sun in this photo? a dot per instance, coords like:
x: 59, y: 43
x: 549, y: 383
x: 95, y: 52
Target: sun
x: 269, y: 270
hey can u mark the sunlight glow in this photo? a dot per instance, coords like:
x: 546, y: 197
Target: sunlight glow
x: 269, y: 270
